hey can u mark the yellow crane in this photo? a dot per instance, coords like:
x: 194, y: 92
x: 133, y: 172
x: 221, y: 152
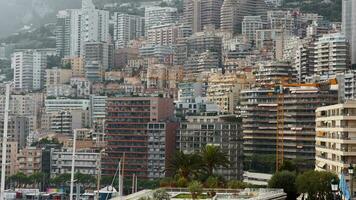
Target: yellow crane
x: 279, y: 90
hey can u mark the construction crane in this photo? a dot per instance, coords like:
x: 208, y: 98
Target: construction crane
x: 279, y: 90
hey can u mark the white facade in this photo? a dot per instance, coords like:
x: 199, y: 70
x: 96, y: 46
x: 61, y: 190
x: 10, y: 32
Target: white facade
x: 127, y: 27
x: 335, y: 137
x: 29, y: 69
x: 163, y: 35
x: 349, y: 25
x: 249, y: 26
x: 75, y: 27
x: 331, y: 54
x: 86, y: 162
x: 155, y: 16
x: 56, y: 105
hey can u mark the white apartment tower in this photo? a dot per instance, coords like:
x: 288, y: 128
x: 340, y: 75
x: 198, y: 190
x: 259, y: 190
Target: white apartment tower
x: 249, y: 26
x: 156, y: 16
x: 75, y: 27
x: 331, y: 54
x: 127, y: 27
x: 29, y: 69
x: 349, y: 25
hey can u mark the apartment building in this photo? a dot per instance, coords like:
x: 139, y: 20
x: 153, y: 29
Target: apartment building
x: 126, y: 125
x: 332, y: 54
x: 59, y: 104
x: 222, y: 131
x: 156, y: 16
x: 96, y: 60
x: 249, y: 26
x: 224, y: 90
x: 29, y: 69
x: 87, y: 161
x: 200, y: 13
x: 259, y: 115
x: 335, y: 137
x: 163, y: 35
x: 11, y: 157
x: 127, y: 27
x: 56, y: 76
x: 30, y: 160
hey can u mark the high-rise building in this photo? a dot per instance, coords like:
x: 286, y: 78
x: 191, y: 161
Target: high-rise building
x: 87, y: 161
x: 127, y: 27
x: 279, y: 19
x: 56, y: 105
x: 157, y: 16
x: 57, y: 76
x: 259, y: 115
x: 229, y: 16
x: 127, y: 122
x: 96, y: 60
x: 29, y: 69
x: 75, y: 27
x: 349, y: 26
x: 30, y: 160
x: 163, y: 35
x: 274, y: 72
x: 249, y: 26
x: 331, y: 54
x: 18, y: 130
x: 97, y: 108
x: 335, y: 137
x: 221, y: 131
x: 224, y: 90
x: 304, y: 59
x: 11, y: 158
x: 63, y: 34
x: 253, y: 8
x: 200, y: 13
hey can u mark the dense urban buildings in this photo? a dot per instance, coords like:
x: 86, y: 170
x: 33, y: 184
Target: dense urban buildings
x: 128, y: 128
x: 143, y: 82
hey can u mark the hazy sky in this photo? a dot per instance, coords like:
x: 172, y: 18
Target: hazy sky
x: 14, y: 14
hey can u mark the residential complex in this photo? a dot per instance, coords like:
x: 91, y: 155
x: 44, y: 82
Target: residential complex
x: 126, y: 128
x: 142, y: 80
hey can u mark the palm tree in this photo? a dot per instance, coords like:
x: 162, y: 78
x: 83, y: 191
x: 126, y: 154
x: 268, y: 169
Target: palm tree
x: 185, y: 165
x: 36, y: 178
x: 212, y: 158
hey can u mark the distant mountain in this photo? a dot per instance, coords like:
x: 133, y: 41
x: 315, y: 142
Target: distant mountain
x: 15, y: 14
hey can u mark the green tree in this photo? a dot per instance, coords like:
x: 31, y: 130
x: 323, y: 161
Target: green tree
x: 212, y: 182
x: 212, y: 158
x: 85, y: 179
x: 60, y: 180
x: 20, y: 179
x: 195, y: 188
x: 285, y: 180
x: 36, y: 178
x: 235, y: 184
x: 316, y: 184
x: 160, y: 194
x: 185, y: 165
x: 288, y: 165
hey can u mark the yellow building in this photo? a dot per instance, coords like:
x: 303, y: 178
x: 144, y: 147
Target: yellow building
x: 224, y: 90
x: 77, y: 66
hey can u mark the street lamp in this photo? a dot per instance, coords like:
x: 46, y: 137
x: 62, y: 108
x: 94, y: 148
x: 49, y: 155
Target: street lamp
x: 351, y: 174
x: 335, y: 188
x: 351, y: 170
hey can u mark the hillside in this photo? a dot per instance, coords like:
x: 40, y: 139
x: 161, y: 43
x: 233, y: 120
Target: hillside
x: 27, y: 12
x: 330, y: 9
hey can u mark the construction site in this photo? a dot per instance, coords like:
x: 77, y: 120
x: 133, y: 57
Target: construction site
x: 279, y: 119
